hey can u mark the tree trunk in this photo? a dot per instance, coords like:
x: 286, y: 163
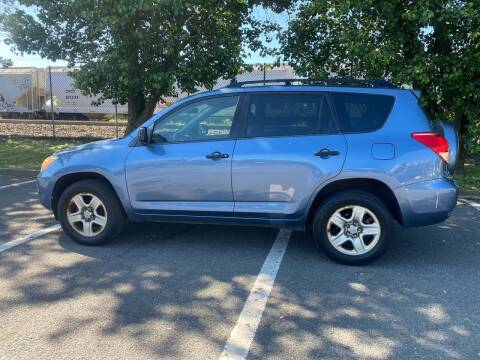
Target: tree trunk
x: 140, y: 109
x: 461, y: 125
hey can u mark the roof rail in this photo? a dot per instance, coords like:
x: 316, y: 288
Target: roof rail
x: 378, y: 83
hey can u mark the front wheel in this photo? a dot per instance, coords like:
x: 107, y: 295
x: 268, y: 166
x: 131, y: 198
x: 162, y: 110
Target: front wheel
x: 352, y: 227
x: 90, y: 212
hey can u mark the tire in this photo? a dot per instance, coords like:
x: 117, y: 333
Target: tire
x: 86, y: 225
x: 355, y: 242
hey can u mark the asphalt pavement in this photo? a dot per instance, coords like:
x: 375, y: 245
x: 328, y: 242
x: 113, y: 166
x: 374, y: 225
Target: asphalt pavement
x: 176, y: 291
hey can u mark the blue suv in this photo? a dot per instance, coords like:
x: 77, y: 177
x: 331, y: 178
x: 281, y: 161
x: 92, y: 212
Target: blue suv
x: 339, y: 158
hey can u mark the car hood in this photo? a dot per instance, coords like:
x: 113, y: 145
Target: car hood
x: 96, y: 145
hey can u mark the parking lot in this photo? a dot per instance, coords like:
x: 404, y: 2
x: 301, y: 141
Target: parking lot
x: 179, y: 291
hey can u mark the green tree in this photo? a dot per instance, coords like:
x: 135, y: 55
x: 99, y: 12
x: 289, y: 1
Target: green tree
x: 4, y: 63
x: 140, y: 51
x: 433, y: 45
x: 4, y: 5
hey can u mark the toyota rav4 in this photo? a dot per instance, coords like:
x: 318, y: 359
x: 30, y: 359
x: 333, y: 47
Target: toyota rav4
x: 340, y: 159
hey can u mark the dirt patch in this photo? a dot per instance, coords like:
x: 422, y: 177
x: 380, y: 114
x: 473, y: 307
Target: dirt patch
x: 62, y: 131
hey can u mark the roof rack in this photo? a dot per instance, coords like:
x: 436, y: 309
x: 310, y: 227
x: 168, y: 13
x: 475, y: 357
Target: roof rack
x: 377, y: 83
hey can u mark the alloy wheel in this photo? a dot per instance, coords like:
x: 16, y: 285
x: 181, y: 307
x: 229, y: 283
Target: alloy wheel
x: 353, y: 230
x: 87, y: 214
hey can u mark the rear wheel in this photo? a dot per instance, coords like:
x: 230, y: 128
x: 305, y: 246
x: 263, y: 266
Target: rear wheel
x: 90, y: 212
x: 352, y: 227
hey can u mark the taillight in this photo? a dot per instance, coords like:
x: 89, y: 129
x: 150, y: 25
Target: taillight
x: 435, y: 142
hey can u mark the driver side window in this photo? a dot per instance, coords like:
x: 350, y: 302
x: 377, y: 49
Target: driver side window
x: 209, y: 119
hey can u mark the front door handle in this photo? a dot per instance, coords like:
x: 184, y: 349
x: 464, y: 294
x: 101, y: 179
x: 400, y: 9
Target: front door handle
x: 217, y: 155
x: 326, y: 153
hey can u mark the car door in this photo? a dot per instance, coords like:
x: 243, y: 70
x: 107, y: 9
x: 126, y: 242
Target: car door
x: 187, y: 165
x: 288, y: 147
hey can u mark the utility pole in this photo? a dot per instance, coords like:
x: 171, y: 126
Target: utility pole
x: 116, y: 117
x: 51, y: 100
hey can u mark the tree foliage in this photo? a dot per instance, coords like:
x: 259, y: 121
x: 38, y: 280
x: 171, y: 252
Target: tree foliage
x: 4, y: 62
x: 4, y: 5
x: 138, y: 51
x: 433, y: 45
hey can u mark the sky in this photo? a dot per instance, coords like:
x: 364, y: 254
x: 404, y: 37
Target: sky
x: 36, y: 61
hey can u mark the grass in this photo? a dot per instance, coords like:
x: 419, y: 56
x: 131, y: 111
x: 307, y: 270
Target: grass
x: 469, y: 177
x: 122, y: 119
x: 29, y: 153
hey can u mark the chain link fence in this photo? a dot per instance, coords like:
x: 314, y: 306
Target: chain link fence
x: 44, y: 102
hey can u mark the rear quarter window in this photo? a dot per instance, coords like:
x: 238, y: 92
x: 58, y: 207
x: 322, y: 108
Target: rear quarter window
x: 361, y: 112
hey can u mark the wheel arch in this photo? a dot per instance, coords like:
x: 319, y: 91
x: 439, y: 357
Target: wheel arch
x: 68, y: 179
x: 372, y: 186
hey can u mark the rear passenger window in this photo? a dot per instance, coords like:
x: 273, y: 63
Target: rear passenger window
x: 361, y: 112
x: 288, y: 114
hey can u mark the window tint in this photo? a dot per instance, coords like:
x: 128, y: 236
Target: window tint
x: 209, y: 119
x: 361, y: 112
x: 288, y: 114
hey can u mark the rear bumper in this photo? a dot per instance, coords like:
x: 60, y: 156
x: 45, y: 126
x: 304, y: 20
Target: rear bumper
x: 426, y: 203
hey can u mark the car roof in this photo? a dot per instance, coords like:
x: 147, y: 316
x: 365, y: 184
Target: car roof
x: 299, y: 89
x: 395, y: 92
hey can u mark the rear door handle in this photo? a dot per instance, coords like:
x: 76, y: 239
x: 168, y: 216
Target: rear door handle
x: 217, y: 155
x: 326, y: 153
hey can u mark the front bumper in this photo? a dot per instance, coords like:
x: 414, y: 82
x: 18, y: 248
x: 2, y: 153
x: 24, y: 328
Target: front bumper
x: 45, y: 188
x: 426, y: 203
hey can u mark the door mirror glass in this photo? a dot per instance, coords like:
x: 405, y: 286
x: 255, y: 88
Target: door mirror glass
x: 143, y: 137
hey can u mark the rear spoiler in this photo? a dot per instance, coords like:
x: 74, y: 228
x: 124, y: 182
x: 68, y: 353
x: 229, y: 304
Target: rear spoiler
x: 417, y: 93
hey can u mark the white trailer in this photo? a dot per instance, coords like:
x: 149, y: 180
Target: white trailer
x: 17, y: 90
x: 25, y: 93
x: 68, y: 99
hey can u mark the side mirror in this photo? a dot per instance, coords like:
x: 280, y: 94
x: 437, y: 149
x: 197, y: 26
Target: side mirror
x: 143, y: 137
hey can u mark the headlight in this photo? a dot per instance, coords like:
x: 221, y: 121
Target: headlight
x: 48, y: 161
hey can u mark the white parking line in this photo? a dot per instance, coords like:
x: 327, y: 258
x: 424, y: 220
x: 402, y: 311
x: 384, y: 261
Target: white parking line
x: 32, y: 236
x: 472, y: 203
x: 17, y: 184
x: 242, y: 335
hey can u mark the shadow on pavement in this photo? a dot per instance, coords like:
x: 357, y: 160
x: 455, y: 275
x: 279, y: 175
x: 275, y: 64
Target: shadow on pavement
x: 21, y: 213
x: 160, y: 290
x: 171, y: 290
x: 12, y: 176
x: 418, y: 301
